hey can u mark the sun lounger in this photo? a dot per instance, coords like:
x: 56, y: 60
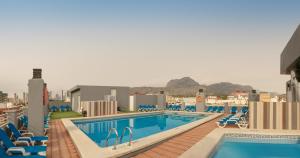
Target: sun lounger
x: 220, y: 109
x: 214, y: 109
x: 190, y: 108
x: 233, y: 120
x: 244, y: 109
x: 26, y: 136
x: 208, y: 109
x: 3, y: 154
x: 233, y: 110
x: 53, y: 108
x: 24, y: 150
x: 24, y: 123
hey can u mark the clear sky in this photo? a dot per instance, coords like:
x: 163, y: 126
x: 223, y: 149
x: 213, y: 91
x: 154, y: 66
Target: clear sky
x: 144, y: 42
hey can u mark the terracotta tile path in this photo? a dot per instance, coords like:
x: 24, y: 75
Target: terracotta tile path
x: 60, y: 144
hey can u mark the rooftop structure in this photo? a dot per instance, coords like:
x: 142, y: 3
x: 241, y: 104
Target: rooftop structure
x: 290, y: 65
x: 81, y: 93
x: 290, y: 56
x: 3, y: 97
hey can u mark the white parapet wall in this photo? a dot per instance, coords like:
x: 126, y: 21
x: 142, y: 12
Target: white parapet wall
x: 100, y: 108
x: 274, y: 115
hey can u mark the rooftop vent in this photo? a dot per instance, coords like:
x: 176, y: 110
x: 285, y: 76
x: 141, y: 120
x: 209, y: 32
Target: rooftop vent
x: 37, y: 73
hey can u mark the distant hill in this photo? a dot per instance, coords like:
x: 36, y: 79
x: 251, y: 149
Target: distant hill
x: 187, y: 87
x: 226, y: 88
x: 184, y: 82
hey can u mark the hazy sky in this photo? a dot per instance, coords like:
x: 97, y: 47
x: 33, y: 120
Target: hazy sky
x: 144, y: 42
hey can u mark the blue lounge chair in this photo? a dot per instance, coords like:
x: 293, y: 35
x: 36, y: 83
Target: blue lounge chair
x: 53, y: 108
x: 220, y: 109
x: 141, y: 107
x: 147, y: 108
x: 3, y: 154
x: 233, y: 120
x: 177, y: 108
x: 187, y: 108
x: 68, y: 107
x: 154, y: 108
x: 233, y: 110
x: 244, y: 109
x: 169, y: 107
x: 24, y: 123
x: 214, y: 109
x: 13, y: 149
x: 26, y: 136
x: 172, y: 107
x: 209, y: 109
x: 62, y: 108
x: 193, y: 108
x: 190, y: 108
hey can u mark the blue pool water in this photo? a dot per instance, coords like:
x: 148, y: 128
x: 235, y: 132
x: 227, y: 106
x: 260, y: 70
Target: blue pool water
x: 257, y: 148
x: 142, y: 126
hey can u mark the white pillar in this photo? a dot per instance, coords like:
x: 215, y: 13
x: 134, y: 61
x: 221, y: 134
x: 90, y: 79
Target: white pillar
x: 161, y: 101
x: 35, y: 106
x: 200, y: 101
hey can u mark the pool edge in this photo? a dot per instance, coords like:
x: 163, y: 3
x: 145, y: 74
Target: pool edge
x: 89, y: 149
x: 209, y: 143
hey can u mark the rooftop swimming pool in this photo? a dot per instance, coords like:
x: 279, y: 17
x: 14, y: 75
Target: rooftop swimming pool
x: 258, y: 146
x: 141, y: 125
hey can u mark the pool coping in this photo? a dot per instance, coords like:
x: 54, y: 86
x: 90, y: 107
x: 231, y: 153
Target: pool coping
x: 209, y: 143
x: 87, y: 148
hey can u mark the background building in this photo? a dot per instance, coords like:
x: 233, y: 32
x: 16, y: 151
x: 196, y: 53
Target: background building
x: 264, y: 97
x: 82, y: 93
x: 290, y: 65
x: 3, y: 97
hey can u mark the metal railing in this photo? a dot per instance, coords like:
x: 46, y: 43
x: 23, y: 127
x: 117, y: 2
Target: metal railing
x: 3, y: 119
x: 130, y: 135
x: 109, y: 134
x: 20, y: 112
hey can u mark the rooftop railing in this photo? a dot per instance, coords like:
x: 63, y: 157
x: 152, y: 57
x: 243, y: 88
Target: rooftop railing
x: 3, y: 119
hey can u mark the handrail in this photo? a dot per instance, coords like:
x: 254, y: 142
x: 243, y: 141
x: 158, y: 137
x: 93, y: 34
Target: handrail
x: 130, y: 133
x: 117, y: 137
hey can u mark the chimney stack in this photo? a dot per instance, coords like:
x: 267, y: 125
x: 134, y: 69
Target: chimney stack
x: 37, y: 73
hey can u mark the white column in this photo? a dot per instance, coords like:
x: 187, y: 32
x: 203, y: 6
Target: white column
x: 279, y: 116
x: 271, y: 112
x: 251, y: 115
x: 260, y: 115
x: 35, y: 106
x: 290, y: 116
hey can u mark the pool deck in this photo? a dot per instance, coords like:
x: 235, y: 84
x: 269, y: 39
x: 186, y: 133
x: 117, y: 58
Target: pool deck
x: 176, y: 146
x: 60, y: 144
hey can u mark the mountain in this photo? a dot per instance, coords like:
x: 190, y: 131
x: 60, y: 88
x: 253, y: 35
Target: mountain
x: 187, y: 87
x: 184, y: 82
x: 226, y: 88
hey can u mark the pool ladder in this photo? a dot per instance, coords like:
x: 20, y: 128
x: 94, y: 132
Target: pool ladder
x: 117, y: 136
x: 130, y: 135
